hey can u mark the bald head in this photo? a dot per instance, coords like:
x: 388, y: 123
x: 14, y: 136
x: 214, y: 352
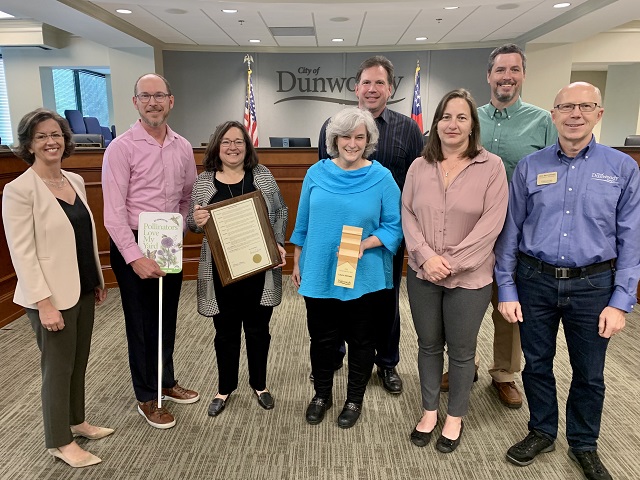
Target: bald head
x: 151, y: 75
x: 581, y: 89
x: 577, y: 110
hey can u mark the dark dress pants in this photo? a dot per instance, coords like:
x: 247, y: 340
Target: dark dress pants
x: 140, y: 306
x: 388, y: 331
x: 63, y: 361
x: 331, y: 322
x: 577, y: 302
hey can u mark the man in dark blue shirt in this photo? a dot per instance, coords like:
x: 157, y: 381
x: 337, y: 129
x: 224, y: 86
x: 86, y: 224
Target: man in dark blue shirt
x: 569, y: 251
x: 400, y: 143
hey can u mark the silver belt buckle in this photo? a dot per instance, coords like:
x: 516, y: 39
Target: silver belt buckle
x: 562, y: 273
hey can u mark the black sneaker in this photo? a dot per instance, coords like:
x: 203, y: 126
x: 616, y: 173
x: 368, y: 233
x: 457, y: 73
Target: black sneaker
x: 591, y: 465
x: 523, y: 453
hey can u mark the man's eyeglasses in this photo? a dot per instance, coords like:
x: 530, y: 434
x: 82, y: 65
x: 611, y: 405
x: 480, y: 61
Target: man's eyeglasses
x: 41, y: 137
x: 228, y: 143
x: 584, y: 107
x: 158, y: 97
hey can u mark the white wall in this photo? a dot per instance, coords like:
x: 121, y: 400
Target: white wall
x: 25, y: 84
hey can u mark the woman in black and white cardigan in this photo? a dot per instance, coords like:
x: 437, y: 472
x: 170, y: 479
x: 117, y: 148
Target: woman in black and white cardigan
x: 232, y: 169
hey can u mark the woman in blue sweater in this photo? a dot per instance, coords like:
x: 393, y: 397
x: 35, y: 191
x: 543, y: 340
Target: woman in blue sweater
x: 347, y: 189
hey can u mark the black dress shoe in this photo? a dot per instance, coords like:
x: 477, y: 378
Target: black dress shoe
x: 391, y: 381
x: 265, y: 400
x: 525, y: 451
x: 446, y: 445
x: 591, y: 465
x: 217, y: 406
x: 316, y: 410
x: 349, y: 415
x: 420, y: 439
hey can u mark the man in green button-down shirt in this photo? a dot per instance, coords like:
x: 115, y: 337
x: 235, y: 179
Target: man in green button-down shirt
x: 512, y: 130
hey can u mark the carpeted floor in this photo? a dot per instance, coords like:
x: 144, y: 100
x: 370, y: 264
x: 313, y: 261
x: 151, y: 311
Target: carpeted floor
x: 247, y: 442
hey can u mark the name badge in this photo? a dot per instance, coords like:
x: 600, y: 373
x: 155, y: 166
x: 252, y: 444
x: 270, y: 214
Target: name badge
x: 547, y: 178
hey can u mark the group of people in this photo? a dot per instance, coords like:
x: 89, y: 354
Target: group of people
x: 505, y: 185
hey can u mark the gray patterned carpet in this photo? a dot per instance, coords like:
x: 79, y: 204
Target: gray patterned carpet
x: 246, y: 442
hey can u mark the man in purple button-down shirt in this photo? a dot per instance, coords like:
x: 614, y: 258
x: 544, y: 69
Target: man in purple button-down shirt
x: 148, y: 168
x: 569, y: 251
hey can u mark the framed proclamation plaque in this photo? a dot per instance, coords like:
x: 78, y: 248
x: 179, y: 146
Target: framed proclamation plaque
x: 241, y: 238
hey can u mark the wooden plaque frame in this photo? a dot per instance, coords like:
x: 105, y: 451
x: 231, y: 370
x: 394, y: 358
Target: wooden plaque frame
x: 218, y: 248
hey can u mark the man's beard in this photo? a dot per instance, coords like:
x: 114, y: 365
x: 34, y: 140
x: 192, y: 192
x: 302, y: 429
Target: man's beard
x: 506, y: 97
x: 151, y: 123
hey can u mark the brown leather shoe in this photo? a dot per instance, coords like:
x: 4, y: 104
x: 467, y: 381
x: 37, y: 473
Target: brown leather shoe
x: 508, y: 393
x: 156, y: 417
x: 178, y: 394
x: 444, y: 385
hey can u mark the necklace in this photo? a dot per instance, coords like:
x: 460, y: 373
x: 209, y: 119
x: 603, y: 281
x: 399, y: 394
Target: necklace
x: 57, y: 184
x: 455, y: 165
x: 229, y: 187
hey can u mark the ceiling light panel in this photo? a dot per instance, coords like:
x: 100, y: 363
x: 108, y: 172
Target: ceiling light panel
x: 426, y: 25
x: 395, y: 20
x: 148, y: 22
x: 534, y: 17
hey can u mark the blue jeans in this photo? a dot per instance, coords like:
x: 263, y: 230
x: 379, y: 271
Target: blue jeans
x: 578, y: 302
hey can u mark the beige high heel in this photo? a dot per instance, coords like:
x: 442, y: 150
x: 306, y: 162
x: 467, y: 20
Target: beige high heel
x: 101, y: 433
x: 90, y: 460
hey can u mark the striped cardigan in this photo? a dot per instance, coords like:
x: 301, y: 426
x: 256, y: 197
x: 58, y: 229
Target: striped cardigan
x: 203, y: 190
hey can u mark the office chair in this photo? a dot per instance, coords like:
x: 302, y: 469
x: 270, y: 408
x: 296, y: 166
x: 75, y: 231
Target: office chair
x: 632, y: 141
x: 74, y: 117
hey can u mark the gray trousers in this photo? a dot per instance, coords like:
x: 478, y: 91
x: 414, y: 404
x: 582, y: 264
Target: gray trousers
x: 450, y: 316
x: 63, y: 362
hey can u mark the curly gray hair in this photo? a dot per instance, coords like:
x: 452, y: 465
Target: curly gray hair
x: 346, y: 121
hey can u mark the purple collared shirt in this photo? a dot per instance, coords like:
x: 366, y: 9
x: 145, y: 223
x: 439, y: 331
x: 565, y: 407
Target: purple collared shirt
x: 573, y: 212
x: 140, y: 175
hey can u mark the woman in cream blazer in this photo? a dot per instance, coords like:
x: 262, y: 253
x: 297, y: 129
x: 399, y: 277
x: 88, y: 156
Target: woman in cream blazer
x: 52, y: 240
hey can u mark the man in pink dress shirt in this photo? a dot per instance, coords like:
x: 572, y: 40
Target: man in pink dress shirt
x: 148, y: 168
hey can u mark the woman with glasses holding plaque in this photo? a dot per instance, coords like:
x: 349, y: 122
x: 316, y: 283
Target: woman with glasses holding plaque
x: 454, y: 203
x: 232, y: 169
x: 52, y: 241
x: 347, y: 190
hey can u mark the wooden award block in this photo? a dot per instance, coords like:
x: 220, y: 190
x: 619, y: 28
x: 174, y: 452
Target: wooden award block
x: 348, y: 256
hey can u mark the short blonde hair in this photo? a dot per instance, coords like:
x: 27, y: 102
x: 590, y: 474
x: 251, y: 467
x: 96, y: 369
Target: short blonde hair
x: 346, y: 121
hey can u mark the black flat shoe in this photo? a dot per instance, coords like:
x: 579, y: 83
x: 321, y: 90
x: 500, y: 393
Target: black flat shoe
x: 265, y: 400
x: 316, y: 410
x: 446, y: 445
x: 349, y: 415
x: 217, y: 406
x: 420, y: 439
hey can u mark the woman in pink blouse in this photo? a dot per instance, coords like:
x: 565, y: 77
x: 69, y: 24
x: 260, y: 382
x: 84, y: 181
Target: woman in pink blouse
x: 454, y: 204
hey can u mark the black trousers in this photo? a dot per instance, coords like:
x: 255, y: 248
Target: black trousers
x: 229, y: 324
x: 140, y: 306
x: 330, y: 322
x: 388, y: 331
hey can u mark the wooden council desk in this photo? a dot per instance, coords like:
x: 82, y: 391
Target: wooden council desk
x: 288, y: 166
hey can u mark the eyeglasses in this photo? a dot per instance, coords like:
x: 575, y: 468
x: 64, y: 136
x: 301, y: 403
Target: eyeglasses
x: 584, y: 107
x: 158, y: 97
x: 228, y: 143
x: 41, y: 137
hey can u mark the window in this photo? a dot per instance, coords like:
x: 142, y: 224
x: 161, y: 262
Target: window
x: 5, y: 120
x: 82, y: 90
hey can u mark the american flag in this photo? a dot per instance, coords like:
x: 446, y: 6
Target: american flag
x: 416, y: 108
x: 250, y: 120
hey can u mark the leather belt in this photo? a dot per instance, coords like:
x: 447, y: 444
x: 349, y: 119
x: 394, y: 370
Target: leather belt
x: 562, y: 273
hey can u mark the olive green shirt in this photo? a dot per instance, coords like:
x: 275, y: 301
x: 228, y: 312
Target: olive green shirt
x: 515, y: 132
